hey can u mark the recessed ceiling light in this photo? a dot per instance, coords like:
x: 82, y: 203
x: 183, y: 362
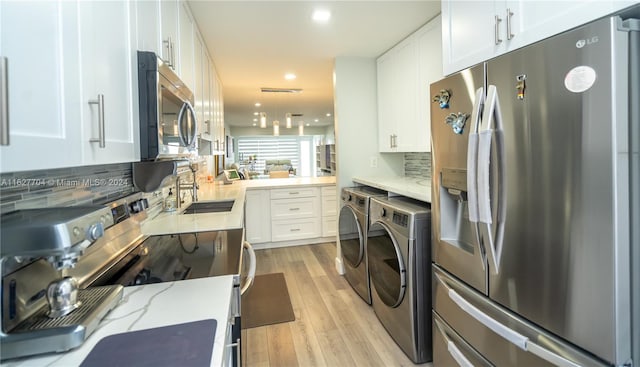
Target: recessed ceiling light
x: 256, y: 113
x: 290, y: 76
x: 254, y: 124
x: 258, y: 104
x: 255, y: 120
x: 316, y: 120
x: 328, y: 115
x: 321, y: 16
x: 308, y: 124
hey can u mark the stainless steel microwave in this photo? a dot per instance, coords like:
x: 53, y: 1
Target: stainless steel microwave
x: 168, y: 126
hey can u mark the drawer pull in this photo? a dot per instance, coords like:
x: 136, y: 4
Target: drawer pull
x: 294, y: 209
x: 295, y: 229
x: 294, y: 192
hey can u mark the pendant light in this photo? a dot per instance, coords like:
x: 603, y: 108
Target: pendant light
x: 288, y: 117
x: 263, y: 120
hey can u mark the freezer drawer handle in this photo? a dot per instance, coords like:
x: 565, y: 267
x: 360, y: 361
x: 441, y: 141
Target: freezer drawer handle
x: 457, y: 355
x: 510, y: 335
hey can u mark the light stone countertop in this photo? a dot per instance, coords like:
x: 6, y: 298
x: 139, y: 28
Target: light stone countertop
x: 151, y: 306
x: 413, y: 187
x: 175, y: 222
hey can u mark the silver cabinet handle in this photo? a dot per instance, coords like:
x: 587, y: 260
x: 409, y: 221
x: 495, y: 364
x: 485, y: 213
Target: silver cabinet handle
x: 497, y: 30
x: 294, y: 193
x: 208, y: 123
x: 4, y: 102
x: 168, y: 43
x: 293, y: 209
x: 101, y: 136
x: 172, y: 54
x: 510, y: 35
x: 294, y: 230
x: 391, y: 141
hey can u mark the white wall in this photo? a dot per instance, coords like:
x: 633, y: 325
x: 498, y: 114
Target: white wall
x: 356, y: 127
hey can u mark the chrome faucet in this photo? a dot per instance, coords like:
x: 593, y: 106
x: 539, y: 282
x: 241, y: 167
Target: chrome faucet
x: 193, y: 186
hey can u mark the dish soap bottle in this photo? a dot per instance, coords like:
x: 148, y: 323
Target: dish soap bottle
x: 170, y: 202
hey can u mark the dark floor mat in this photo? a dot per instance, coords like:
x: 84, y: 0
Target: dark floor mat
x: 267, y: 302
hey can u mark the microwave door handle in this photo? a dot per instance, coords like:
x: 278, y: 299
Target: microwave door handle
x: 180, y: 115
x: 193, y: 132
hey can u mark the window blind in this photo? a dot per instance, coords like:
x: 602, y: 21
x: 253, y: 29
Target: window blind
x: 268, y: 148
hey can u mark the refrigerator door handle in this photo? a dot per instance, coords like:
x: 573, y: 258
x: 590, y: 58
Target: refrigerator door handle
x: 492, y: 117
x: 472, y: 158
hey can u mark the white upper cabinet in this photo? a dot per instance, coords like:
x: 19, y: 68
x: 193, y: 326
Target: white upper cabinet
x: 186, y: 64
x: 169, y: 32
x: 110, y: 129
x: 404, y: 75
x: 147, y: 26
x: 198, y: 86
x: 475, y: 31
x: 39, y: 40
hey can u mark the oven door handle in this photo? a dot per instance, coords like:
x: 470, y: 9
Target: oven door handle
x: 252, y: 267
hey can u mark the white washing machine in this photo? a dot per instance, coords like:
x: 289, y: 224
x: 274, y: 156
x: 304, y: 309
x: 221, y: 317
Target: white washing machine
x: 353, y: 224
x: 399, y: 256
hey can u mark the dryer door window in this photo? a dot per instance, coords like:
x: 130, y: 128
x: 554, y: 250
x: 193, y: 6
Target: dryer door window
x: 386, y: 266
x: 351, y: 241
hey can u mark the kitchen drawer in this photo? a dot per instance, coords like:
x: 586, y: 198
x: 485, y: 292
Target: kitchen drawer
x: 329, y: 226
x: 328, y: 192
x: 294, y: 208
x: 295, y: 229
x: 297, y: 192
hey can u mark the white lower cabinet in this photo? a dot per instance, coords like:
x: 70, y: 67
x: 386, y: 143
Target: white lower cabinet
x: 329, y: 211
x: 257, y: 216
x: 304, y: 215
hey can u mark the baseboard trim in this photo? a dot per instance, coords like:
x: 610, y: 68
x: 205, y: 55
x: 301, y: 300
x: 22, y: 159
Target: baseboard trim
x: 308, y: 241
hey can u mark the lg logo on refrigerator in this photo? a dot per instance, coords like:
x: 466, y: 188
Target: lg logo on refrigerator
x: 590, y: 41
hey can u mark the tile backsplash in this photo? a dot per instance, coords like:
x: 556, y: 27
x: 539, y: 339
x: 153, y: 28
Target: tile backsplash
x: 417, y: 165
x: 72, y: 186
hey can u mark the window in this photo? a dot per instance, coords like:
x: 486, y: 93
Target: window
x: 293, y: 148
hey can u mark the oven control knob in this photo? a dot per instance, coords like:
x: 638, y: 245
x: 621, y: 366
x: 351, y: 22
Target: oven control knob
x: 95, y: 231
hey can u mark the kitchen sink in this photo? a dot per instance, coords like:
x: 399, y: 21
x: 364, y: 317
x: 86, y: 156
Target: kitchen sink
x: 200, y: 207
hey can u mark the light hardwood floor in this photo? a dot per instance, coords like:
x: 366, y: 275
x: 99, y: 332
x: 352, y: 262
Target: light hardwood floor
x: 333, y: 326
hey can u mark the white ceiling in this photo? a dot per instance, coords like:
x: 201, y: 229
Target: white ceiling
x: 254, y: 43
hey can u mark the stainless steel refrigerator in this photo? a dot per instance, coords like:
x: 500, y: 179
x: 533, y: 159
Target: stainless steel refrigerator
x: 535, y: 204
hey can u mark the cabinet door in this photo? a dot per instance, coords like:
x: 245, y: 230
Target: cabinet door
x: 405, y: 97
x: 147, y: 15
x: 169, y: 32
x: 467, y: 33
x: 107, y: 60
x: 186, y: 64
x: 39, y: 40
x: 198, y: 87
x: 429, y: 40
x: 538, y: 20
x: 386, y: 123
x: 257, y: 216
